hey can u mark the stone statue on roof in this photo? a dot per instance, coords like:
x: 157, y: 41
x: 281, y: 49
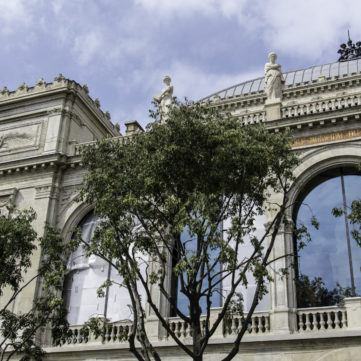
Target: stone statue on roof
x: 165, y: 98
x: 273, y: 79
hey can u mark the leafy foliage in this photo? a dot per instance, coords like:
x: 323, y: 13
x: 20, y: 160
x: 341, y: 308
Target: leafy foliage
x: 194, y: 171
x: 354, y: 217
x: 314, y: 293
x: 18, y: 240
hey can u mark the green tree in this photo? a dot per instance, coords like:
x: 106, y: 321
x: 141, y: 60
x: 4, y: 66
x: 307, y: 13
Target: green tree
x: 194, y: 171
x: 354, y: 217
x: 19, y: 333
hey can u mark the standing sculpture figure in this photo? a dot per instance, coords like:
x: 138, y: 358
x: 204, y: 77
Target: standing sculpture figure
x: 165, y: 98
x: 273, y: 78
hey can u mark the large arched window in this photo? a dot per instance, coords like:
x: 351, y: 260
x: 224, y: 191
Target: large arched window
x: 328, y: 268
x: 85, y: 276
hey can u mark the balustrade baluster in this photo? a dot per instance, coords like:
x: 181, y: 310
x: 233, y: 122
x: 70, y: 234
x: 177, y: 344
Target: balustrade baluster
x: 344, y: 319
x: 308, y: 321
x: 254, y: 324
x: 322, y: 321
x: 233, y: 325
x: 338, y: 316
x: 266, y: 324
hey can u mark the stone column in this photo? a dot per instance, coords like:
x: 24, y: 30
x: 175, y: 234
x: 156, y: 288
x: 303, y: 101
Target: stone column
x: 154, y: 328
x: 282, y: 290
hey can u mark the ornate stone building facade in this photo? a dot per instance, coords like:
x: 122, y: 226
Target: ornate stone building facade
x: 44, y: 128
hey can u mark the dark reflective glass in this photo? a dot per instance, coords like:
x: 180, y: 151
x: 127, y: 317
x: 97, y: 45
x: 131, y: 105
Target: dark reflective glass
x: 323, y: 266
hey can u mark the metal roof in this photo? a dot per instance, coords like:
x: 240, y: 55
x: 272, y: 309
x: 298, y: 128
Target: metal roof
x: 292, y: 78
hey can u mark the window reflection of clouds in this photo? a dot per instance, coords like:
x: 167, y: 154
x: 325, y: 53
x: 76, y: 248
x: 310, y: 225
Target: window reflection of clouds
x: 86, y: 275
x: 326, y: 256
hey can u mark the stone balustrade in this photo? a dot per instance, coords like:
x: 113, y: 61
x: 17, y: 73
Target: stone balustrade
x: 320, y: 106
x: 253, y: 118
x: 317, y: 319
x: 113, y: 333
x: 258, y: 324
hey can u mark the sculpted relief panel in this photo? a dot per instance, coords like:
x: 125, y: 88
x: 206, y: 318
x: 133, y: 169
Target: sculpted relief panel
x: 25, y: 136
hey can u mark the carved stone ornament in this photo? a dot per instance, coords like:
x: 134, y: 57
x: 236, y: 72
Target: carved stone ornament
x: 59, y: 78
x: 22, y: 137
x: 22, y: 87
x: 4, y: 90
x: 7, y: 196
x: 165, y: 98
x: 14, y: 137
x: 86, y: 89
x: 97, y: 102
x: 273, y: 79
x: 40, y: 82
x: 46, y: 191
x: 216, y: 98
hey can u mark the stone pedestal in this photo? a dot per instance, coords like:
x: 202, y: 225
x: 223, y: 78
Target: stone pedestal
x: 273, y: 109
x: 353, y: 309
x: 152, y: 327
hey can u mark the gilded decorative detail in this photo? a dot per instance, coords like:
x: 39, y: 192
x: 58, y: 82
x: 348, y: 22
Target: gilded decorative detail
x: 327, y: 138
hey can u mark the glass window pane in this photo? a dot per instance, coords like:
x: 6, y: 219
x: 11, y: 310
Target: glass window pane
x: 343, y: 68
x: 255, y: 85
x: 323, y: 265
x: 352, y: 66
x: 289, y: 78
x: 247, y: 87
x: 307, y: 75
x: 298, y: 77
x: 326, y: 70
x: 334, y: 69
x: 316, y: 72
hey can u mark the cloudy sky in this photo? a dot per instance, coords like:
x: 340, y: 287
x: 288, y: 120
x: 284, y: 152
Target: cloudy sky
x: 122, y: 48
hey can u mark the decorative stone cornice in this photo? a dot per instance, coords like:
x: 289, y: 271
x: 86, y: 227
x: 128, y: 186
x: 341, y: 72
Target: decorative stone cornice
x: 60, y: 84
x: 38, y: 163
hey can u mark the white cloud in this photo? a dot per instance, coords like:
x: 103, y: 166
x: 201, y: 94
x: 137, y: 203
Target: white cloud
x: 15, y: 14
x: 307, y: 27
x: 195, y: 83
x: 87, y: 45
x: 227, y: 8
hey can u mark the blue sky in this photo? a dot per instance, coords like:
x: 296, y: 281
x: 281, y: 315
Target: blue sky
x: 122, y: 48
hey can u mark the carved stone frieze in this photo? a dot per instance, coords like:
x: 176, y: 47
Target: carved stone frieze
x: 46, y: 191
x: 21, y: 137
x: 7, y: 196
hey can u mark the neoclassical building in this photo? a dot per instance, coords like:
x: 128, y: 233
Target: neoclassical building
x: 44, y: 128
